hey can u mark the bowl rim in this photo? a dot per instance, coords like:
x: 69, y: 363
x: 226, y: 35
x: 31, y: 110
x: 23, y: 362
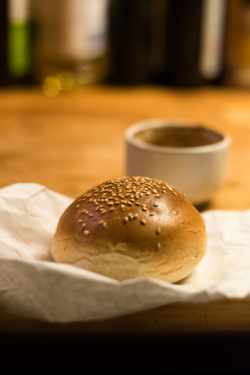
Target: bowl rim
x: 174, y: 122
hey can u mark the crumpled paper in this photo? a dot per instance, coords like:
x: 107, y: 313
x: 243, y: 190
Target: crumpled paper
x: 33, y: 285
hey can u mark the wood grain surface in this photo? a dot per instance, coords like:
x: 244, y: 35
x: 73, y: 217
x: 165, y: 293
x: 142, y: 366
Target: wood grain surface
x: 75, y: 141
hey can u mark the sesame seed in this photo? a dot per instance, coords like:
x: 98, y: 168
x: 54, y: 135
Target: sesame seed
x: 143, y: 221
x: 137, y: 203
x: 101, y: 221
x: 141, y: 194
x: 148, y: 193
x: 158, y: 230
x: 135, y: 216
x: 116, y: 202
x: 84, y: 225
x: 122, y: 206
x: 110, y: 203
x: 111, y: 209
x: 156, y: 204
x: 154, y: 191
x: 90, y: 215
x: 103, y: 212
x: 158, y: 245
x: 78, y: 205
x: 80, y: 221
x: 126, y: 219
x: 97, y: 208
x: 169, y: 188
x: 129, y: 203
x: 151, y: 214
x: 144, y: 208
x: 157, y: 195
x: 174, y: 193
x: 86, y: 232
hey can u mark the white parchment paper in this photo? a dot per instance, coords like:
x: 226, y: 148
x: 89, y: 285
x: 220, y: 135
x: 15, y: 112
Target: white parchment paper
x: 33, y: 285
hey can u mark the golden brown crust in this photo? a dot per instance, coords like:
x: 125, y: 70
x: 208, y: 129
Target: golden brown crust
x: 132, y: 227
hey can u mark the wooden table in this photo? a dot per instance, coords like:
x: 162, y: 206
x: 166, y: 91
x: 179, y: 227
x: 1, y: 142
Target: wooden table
x: 75, y: 141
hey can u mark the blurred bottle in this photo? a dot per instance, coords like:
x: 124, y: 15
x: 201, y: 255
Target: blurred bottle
x: 4, y: 77
x: 137, y: 33
x: 70, y: 45
x: 238, y: 44
x: 195, y: 42
x: 19, y: 42
x: 129, y: 40
x: 15, y: 42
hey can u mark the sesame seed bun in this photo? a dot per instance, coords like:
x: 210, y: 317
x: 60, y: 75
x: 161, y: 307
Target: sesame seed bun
x: 132, y: 227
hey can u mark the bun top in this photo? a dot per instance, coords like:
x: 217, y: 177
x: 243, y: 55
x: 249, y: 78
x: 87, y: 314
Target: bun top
x: 130, y: 227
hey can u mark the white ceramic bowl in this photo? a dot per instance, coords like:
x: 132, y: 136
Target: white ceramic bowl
x: 182, y: 153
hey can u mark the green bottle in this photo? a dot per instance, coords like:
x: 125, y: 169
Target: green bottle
x: 18, y: 40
